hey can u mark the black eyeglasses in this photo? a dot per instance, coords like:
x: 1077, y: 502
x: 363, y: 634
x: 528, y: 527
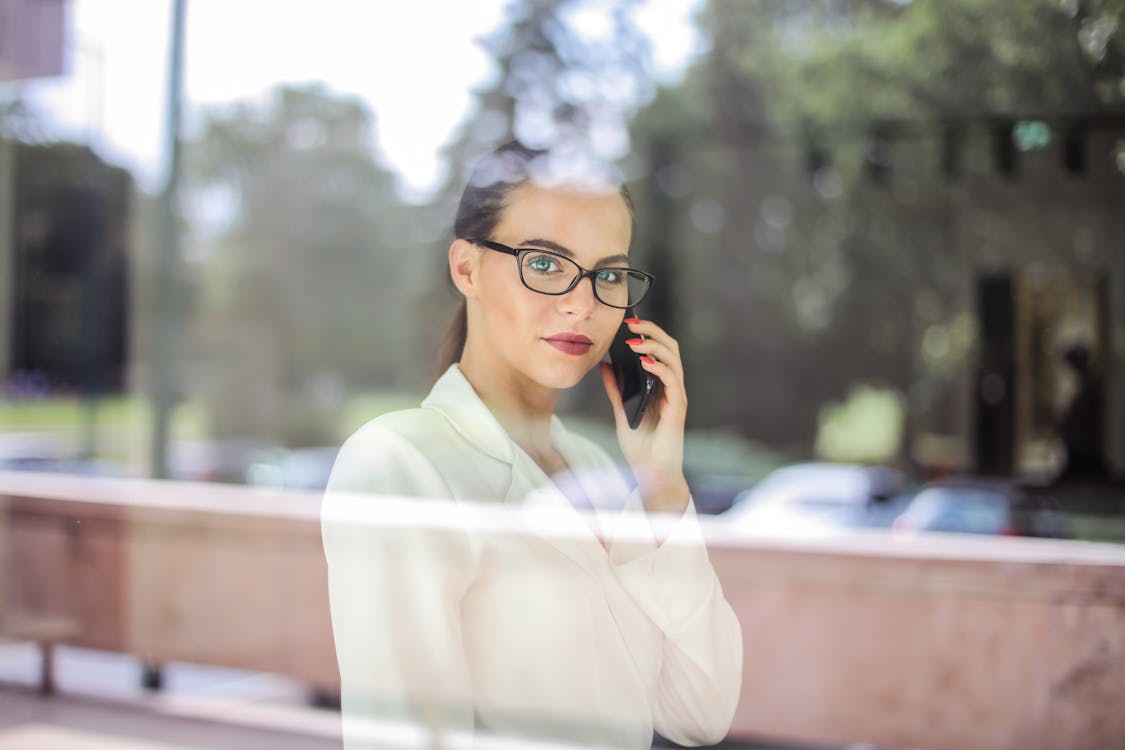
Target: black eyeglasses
x: 550, y: 273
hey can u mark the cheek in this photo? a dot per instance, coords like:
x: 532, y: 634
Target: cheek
x: 512, y: 308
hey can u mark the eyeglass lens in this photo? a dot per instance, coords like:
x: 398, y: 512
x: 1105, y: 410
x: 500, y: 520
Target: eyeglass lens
x: 553, y: 274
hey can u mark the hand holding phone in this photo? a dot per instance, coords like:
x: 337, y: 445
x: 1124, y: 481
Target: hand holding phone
x: 654, y: 378
x: 633, y: 382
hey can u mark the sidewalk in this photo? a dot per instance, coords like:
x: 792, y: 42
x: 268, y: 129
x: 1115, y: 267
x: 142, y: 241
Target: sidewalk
x: 101, y: 706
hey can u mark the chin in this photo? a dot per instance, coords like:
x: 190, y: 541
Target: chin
x: 565, y: 376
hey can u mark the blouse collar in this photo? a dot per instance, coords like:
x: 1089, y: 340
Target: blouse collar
x: 454, y: 397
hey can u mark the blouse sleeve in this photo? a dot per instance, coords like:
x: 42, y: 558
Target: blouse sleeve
x: 674, y: 583
x: 398, y: 566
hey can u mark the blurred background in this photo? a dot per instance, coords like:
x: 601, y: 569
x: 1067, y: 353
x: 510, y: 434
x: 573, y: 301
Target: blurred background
x: 887, y: 233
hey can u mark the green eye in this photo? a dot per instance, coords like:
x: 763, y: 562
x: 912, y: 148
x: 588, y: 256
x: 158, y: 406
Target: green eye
x: 611, y: 276
x: 542, y: 264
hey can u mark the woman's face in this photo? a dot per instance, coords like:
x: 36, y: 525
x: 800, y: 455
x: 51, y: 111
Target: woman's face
x: 540, y: 337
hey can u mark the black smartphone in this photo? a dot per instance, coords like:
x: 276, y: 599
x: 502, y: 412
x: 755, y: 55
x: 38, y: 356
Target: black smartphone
x: 633, y: 381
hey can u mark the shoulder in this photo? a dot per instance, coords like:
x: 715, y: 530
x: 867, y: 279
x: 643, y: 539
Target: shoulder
x: 418, y: 427
x: 389, y: 490
x: 393, y: 453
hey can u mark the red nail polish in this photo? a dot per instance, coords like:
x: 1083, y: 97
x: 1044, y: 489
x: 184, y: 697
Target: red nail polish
x: 648, y: 359
x: 632, y: 321
x: 633, y: 342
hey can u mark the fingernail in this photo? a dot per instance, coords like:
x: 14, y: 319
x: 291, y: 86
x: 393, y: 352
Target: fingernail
x: 648, y: 359
x: 632, y: 321
x: 634, y: 342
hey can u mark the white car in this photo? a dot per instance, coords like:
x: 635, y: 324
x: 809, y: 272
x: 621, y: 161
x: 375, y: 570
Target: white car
x: 818, y: 497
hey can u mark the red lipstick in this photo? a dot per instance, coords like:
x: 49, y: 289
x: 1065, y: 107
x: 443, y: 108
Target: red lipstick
x: 570, y: 343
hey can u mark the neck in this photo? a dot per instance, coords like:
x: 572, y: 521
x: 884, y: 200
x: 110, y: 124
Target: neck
x: 522, y: 407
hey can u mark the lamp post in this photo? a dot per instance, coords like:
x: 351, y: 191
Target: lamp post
x: 94, y: 321
x: 167, y: 282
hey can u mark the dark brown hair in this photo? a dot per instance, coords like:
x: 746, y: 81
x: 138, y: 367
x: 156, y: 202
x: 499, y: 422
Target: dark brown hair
x: 483, y: 200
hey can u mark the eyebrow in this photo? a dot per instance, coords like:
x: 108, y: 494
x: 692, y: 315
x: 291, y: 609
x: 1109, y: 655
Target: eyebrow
x: 563, y: 250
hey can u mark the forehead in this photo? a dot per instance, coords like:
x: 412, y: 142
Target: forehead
x: 592, y: 223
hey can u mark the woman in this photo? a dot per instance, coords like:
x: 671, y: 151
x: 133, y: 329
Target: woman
x: 492, y: 574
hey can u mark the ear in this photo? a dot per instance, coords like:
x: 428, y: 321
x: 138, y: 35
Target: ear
x: 464, y: 260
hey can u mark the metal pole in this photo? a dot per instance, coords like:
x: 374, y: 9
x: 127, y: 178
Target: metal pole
x: 7, y: 249
x: 167, y: 296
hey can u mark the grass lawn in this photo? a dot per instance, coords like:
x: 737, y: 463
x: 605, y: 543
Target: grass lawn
x: 128, y: 419
x: 60, y: 413
x: 114, y: 412
x: 117, y: 425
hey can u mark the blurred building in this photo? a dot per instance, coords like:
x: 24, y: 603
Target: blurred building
x: 66, y: 319
x: 1044, y: 270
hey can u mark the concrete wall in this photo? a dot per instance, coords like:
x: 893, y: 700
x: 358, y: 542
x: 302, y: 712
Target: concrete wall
x: 174, y: 571
x: 925, y: 643
x: 947, y: 643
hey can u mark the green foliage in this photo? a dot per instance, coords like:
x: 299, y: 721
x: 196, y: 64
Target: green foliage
x: 818, y: 242
x: 865, y: 428
x: 302, y: 245
x: 790, y: 189
x: 569, y: 74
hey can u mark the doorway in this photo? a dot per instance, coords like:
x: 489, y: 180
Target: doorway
x: 1041, y: 375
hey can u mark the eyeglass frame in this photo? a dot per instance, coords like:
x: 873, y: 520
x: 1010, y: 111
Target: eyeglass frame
x: 519, y: 252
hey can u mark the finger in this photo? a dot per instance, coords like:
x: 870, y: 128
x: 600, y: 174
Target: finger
x: 657, y: 343
x: 651, y: 330
x: 674, y: 393
x: 658, y: 351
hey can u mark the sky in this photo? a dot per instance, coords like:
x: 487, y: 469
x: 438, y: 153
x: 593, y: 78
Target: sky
x: 413, y: 63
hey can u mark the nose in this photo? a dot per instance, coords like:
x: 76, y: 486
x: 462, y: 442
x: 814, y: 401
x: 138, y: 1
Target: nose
x: 580, y: 300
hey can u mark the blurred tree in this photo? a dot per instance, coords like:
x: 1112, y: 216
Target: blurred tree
x: 569, y: 74
x: 819, y: 161
x: 299, y: 241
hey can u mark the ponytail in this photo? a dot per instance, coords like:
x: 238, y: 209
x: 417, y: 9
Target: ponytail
x: 455, y: 336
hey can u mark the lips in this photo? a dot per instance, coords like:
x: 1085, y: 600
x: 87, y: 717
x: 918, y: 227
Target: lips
x: 570, y: 343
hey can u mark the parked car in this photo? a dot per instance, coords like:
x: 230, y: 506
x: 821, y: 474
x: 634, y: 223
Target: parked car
x: 817, y: 496
x: 293, y: 469
x: 979, y: 505
x: 226, y: 461
x: 715, y: 493
x: 50, y: 453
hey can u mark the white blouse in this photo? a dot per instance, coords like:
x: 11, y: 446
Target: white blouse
x: 471, y: 599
